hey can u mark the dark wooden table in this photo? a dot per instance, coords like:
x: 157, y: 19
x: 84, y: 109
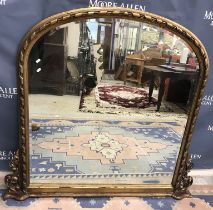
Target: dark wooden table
x: 167, y: 71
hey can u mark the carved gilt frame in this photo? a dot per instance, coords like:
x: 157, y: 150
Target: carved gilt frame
x: 18, y: 182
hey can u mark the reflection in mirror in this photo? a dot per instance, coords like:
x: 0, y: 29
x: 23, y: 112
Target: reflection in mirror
x: 108, y: 103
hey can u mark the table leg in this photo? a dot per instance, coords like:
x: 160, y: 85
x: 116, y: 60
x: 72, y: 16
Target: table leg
x: 151, y: 86
x: 139, y: 76
x: 125, y: 73
x: 161, y: 92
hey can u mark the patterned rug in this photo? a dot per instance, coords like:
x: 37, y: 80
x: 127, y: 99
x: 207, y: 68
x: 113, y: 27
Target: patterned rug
x: 92, y: 150
x: 109, y: 203
x: 123, y: 96
x: 125, y: 100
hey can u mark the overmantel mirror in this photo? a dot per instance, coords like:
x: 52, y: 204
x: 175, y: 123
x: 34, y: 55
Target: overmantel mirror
x: 108, y: 99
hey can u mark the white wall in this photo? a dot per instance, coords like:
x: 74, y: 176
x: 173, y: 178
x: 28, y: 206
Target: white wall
x: 73, y: 39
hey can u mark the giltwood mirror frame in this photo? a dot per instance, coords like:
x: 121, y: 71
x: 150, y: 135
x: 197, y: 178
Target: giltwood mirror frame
x: 18, y: 182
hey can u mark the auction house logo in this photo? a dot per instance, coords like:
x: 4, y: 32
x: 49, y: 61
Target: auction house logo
x: 3, y: 2
x: 100, y: 3
x: 7, y: 93
x: 196, y: 156
x: 210, y: 128
x: 6, y: 155
x: 209, y: 16
x: 207, y: 100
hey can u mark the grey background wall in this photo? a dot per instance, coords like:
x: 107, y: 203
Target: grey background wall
x: 18, y: 16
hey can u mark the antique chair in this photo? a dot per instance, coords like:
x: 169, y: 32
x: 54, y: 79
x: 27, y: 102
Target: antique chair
x: 150, y: 57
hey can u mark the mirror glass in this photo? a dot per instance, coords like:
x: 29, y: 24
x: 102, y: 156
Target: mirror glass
x: 108, y: 103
